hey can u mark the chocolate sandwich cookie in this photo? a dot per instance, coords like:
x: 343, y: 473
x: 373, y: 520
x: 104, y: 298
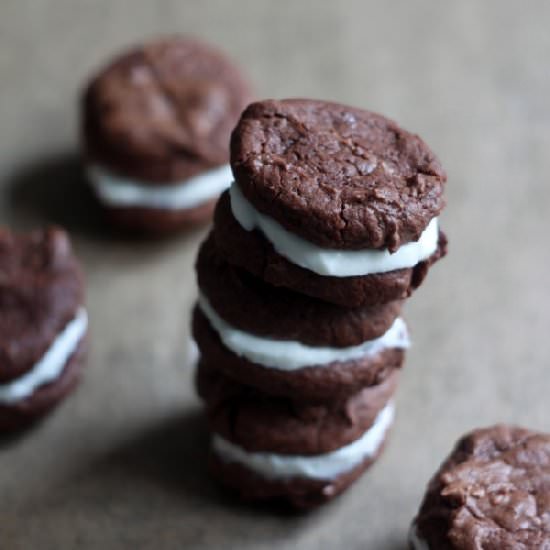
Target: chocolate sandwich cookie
x: 156, y: 123
x: 257, y: 422
x: 250, y: 305
x: 253, y: 484
x: 289, y: 368
x: 276, y: 449
x: 43, y: 324
x: 492, y: 492
x: 253, y: 252
x: 331, y: 201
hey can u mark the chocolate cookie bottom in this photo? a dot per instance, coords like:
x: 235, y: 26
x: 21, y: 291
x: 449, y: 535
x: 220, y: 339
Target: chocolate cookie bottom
x: 159, y: 222
x: 297, y: 492
x: 249, y: 304
x: 262, y: 423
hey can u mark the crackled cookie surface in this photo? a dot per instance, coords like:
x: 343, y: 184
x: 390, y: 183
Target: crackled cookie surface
x: 43, y: 323
x: 492, y: 493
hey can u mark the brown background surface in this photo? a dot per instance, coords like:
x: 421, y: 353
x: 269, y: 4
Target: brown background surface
x: 121, y: 464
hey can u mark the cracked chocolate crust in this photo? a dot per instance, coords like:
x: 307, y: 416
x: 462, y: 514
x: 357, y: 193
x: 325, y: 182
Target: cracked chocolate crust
x: 261, y: 423
x: 315, y: 383
x: 249, y: 304
x: 251, y: 251
x: 492, y: 492
x: 163, y: 112
x: 297, y: 492
x: 41, y: 289
x: 337, y: 176
x: 21, y: 415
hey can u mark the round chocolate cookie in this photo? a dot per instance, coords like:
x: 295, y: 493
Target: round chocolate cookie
x: 338, y: 176
x: 249, y: 304
x: 163, y: 111
x: 261, y: 423
x: 42, y: 323
x: 492, y: 492
x: 251, y: 251
x: 41, y: 289
x: 156, y: 124
x: 335, y: 380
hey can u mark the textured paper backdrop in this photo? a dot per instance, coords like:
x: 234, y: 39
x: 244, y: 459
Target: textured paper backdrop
x: 121, y: 464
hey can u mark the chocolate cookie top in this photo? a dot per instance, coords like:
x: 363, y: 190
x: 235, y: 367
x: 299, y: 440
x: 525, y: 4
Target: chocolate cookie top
x: 337, y: 176
x: 249, y: 304
x: 163, y: 111
x: 41, y: 289
x: 257, y: 422
x: 493, y: 492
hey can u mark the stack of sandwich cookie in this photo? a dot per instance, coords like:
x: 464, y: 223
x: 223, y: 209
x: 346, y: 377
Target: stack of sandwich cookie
x: 155, y: 126
x: 330, y: 224
x: 289, y: 344
x: 43, y: 324
x: 492, y: 492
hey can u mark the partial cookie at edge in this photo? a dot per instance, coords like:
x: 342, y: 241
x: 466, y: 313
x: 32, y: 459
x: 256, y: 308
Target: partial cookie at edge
x: 493, y: 491
x: 20, y: 415
x: 41, y: 290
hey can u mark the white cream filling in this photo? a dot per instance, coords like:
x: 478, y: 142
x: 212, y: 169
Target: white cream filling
x: 291, y: 355
x: 51, y: 365
x: 324, y: 466
x: 327, y: 261
x: 193, y: 353
x: 416, y: 542
x: 116, y: 190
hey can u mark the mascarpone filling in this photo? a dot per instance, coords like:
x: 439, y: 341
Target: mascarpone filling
x: 322, y: 467
x: 290, y: 355
x: 118, y: 191
x: 50, y: 366
x: 332, y: 262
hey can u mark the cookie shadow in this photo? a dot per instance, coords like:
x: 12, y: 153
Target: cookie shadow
x: 401, y: 544
x: 54, y: 190
x: 151, y: 491
x: 13, y: 437
x: 174, y: 455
